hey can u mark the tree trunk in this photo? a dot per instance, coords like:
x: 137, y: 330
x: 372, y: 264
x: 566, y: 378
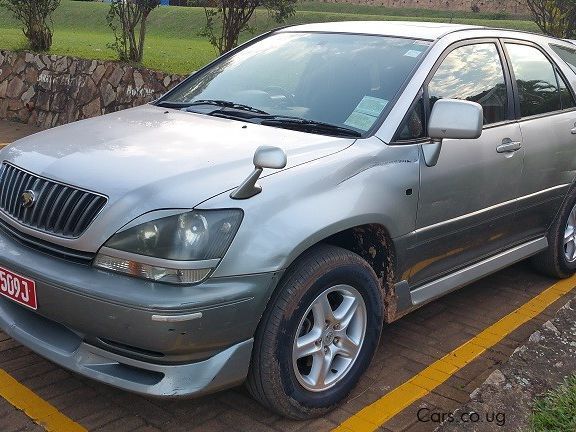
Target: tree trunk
x: 142, y: 37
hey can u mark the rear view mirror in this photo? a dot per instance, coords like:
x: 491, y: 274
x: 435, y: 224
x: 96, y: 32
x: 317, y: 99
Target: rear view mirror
x: 456, y: 119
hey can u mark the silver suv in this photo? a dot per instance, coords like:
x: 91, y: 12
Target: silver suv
x: 261, y: 221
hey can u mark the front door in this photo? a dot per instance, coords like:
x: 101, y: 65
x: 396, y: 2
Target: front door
x: 466, y: 208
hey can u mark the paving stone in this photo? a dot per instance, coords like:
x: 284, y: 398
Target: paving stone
x: 125, y: 424
x: 70, y: 386
x: 409, y: 417
x: 15, y: 421
x: 51, y: 377
x: 102, y: 417
x: 242, y: 422
x: 147, y: 428
x: 211, y: 426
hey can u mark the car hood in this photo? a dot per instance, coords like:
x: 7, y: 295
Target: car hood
x: 150, y: 158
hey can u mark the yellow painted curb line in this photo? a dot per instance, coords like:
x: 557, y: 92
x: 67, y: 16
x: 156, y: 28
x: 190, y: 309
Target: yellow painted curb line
x: 35, y: 407
x: 371, y: 417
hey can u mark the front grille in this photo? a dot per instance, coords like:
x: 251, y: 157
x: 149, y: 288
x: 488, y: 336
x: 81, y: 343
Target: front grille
x: 58, y: 209
x: 46, y: 247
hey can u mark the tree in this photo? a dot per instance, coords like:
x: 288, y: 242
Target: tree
x: 554, y: 17
x: 229, y: 18
x: 36, y: 18
x: 127, y: 19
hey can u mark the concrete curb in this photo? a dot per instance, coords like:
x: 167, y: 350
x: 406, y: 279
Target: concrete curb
x: 504, y: 401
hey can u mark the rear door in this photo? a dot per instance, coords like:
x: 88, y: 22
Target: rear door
x: 466, y: 207
x: 547, y: 117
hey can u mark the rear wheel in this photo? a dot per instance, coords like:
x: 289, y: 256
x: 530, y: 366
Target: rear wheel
x: 318, y: 335
x: 559, y: 260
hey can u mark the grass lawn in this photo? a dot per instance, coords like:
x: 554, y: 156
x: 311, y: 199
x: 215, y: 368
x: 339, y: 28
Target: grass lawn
x: 556, y: 412
x: 173, y: 44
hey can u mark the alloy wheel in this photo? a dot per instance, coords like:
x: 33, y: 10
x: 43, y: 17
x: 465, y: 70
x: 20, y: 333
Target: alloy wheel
x: 329, y: 338
x: 570, y: 236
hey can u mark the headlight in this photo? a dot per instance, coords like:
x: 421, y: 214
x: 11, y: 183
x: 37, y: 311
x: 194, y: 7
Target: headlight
x: 183, y: 248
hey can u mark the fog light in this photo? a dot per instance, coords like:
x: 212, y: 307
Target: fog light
x: 146, y: 271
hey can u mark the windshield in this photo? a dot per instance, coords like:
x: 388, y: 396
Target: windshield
x: 341, y: 80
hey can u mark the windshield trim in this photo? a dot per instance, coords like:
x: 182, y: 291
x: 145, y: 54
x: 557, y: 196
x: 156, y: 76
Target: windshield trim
x: 383, y: 115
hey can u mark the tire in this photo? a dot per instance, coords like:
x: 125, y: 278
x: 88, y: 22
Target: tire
x: 554, y: 261
x: 295, y: 387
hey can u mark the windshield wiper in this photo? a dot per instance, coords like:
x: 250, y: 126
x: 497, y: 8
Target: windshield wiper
x: 227, y: 104
x: 264, y: 118
x: 301, y: 124
x: 215, y: 102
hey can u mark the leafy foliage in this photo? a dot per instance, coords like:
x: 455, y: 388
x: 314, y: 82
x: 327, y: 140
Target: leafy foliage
x: 554, y: 17
x: 229, y: 18
x: 36, y: 19
x: 127, y: 19
x: 556, y: 411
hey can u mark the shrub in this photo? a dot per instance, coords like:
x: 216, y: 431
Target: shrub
x: 554, y: 17
x: 127, y: 19
x: 36, y: 19
x: 229, y: 18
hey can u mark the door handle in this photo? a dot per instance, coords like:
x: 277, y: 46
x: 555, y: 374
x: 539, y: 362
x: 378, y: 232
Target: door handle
x: 573, y: 131
x: 509, y: 146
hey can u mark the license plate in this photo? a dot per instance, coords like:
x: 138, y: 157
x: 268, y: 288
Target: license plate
x: 18, y: 288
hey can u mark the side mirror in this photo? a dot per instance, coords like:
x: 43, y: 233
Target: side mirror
x: 270, y: 157
x: 456, y: 119
x: 264, y: 157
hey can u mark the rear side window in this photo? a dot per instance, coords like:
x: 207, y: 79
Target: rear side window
x: 473, y: 73
x: 540, y: 89
x: 566, y: 54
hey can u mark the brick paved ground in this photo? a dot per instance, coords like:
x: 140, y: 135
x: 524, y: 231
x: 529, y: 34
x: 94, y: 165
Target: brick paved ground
x: 407, y: 347
x: 10, y: 131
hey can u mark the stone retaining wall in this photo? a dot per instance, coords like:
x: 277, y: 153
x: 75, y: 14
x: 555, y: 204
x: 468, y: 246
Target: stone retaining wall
x: 49, y: 90
x: 517, y: 7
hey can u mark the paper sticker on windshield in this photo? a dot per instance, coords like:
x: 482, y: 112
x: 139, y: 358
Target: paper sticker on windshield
x: 360, y: 121
x: 371, y: 106
x: 366, y: 113
x: 413, y: 53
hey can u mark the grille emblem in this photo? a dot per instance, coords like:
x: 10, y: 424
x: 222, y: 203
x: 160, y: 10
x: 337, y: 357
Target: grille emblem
x: 27, y: 199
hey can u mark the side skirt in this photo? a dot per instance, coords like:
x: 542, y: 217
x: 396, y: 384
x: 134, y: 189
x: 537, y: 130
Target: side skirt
x: 410, y: 299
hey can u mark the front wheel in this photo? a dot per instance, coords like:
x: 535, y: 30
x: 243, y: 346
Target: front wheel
x: 318, y: 335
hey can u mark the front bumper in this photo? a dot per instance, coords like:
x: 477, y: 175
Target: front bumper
x: 106, y: 326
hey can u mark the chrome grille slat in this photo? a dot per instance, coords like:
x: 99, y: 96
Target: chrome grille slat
x: 90, y: 213
x: 5, y: 180
x: 11, y: 185
x: 45, y: 205
x: 75, y: 213
x: 27, y: 182
x: 59, y: 209
x: 14, y: 194
x: 31, y: 213
x: 55, y: 207
x: 65, y: 213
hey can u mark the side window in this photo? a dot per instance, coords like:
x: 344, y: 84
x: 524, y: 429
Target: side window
x: 473, y: 73
x: 414, y: 126
x: 566, y: 54
x: 565, y: 94
x: 536, y: 79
